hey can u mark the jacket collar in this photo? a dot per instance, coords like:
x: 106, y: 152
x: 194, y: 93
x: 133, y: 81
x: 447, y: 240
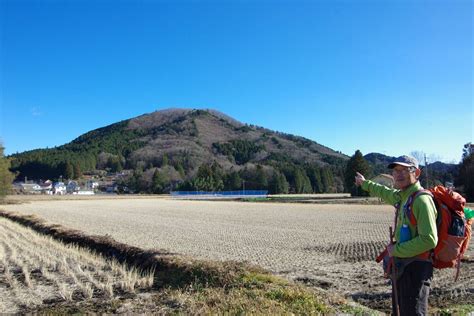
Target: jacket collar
x: 404, y: 194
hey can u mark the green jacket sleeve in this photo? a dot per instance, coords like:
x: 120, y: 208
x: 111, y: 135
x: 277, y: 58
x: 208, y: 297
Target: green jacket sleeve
x: 425, y: 232
x: 390, y: 196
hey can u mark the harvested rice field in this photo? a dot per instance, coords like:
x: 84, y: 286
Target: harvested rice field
x: 326, y: 246
x: 35, y: 269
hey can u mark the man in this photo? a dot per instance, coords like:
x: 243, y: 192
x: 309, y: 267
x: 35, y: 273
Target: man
x: 412, y: 257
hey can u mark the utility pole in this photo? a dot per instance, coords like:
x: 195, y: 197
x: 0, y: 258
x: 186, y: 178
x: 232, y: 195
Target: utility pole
x: 427, y: 174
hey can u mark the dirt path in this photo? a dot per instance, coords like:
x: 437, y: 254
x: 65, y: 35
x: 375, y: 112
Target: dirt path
x: 328, y: 246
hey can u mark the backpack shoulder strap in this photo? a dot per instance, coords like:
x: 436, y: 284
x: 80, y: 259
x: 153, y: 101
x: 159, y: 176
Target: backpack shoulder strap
x: 408, y: 207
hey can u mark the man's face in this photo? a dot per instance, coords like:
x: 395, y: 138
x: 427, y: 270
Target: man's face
x: 404, y: 176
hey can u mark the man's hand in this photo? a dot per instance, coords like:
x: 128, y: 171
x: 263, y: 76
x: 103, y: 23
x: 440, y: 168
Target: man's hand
x: 390, y: 248
x: 359, y: 179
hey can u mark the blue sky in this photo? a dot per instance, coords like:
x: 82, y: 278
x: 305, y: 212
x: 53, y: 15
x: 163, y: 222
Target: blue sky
x: 380, y: 76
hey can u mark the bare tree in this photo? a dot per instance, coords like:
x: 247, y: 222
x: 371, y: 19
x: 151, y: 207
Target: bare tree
x: 419, y: 155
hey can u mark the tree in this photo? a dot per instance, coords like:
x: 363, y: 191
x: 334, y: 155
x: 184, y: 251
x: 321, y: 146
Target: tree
x: 302, y: 183
x: 165, y: 160
x: 115, y: 164
x: 419, y: 155
x: 77, y: 171
x: 158, y: 182
x: 314, y: 174
x: 6, y: 177
x: 232, y: 181
x: 135, y: 181
x: 66, y: 170
x: 356, y: 163
x: 261, y: 178
x: 180, y: 169
x: 278, y: 183
x: 466, y: 174
x: 467, y: 150
x: 208, y: 178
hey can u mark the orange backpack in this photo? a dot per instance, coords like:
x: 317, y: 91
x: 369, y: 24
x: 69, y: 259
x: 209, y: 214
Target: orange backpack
x: 454, y: 231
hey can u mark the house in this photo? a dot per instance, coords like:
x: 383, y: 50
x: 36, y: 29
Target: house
x: 112, y: 188
x: 72, y: 186
x: 46, y: 187
x: 29, y: 188
x: 384, y: 179
x: 59, y: 188
x: 92, y: 185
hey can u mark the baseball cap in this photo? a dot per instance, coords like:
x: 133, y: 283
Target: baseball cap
x: 406, y: 161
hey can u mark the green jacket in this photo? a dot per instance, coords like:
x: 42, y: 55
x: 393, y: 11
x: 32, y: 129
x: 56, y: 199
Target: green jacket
x: 424, y: 235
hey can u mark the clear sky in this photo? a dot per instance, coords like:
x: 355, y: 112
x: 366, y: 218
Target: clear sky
x: 379, y: 76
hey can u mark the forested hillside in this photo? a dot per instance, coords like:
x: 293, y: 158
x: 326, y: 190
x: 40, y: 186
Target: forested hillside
x: 432, y: 174
x: 183, y: 149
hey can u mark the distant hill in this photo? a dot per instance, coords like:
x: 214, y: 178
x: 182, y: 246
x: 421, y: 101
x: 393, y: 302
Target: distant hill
x: 438, y: 172
x: 379, y: 162
x: 188, y: 149
x: 193, y: 149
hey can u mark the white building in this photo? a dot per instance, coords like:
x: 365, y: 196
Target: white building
x: 384, y: 179
x: 47, y: 187
x: 30, y: 188
x: 92, y: 185
x: 59, y: 188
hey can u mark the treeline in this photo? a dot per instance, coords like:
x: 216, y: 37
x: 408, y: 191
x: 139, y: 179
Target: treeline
x: 465, y: 177
x: 276, y: 178
x: 104, y: 148
x: 241, y: 151
x: 461, y: 176
x: 277, y: 174
x: 357, y: 163
x: 6, y: 177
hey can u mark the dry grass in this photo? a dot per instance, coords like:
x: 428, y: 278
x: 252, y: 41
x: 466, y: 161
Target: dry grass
x: 298, y: 241
x: 67, y: 279
x: 36, y: 269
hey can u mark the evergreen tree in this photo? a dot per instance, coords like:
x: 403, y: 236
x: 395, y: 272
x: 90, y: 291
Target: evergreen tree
x: 278, y: 183
x: 314, y: 174
x: 208, y: 178
x: 6, y: 177
x: 261, y: 181
x: 158, y: 182
x: 115, y: 164
x: 233, y: 181
x: 135, y: 182
x: 68, y: 172
x: 467, y: 150
x: 302, y: 182
x: 466, y: 175
x: 327, y: 179
x: 77, y: 170
x: 356, y: 163
x: 180, y: 169
x: 165, y: 160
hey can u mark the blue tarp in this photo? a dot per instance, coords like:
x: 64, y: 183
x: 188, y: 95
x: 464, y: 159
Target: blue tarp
x: 225, y: 194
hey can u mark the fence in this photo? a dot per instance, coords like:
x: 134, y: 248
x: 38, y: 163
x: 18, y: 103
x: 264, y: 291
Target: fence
x: 220, y: 194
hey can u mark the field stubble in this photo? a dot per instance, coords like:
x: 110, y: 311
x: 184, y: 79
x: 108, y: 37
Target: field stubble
x: 326, y: 246
x: 35, y: 269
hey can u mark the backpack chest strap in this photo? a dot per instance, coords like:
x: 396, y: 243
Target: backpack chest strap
x: 408, y: 206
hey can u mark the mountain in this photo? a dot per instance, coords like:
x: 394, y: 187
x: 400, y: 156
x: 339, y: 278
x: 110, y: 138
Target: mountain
x: 438, y: 172
x: 379, y: 162
x: 193, y: 149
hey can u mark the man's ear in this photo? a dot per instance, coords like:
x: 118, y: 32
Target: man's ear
x: 417, y: 173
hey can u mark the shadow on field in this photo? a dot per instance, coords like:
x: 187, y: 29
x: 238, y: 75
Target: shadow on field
x: 171, y: 270
x: 378, y: 301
